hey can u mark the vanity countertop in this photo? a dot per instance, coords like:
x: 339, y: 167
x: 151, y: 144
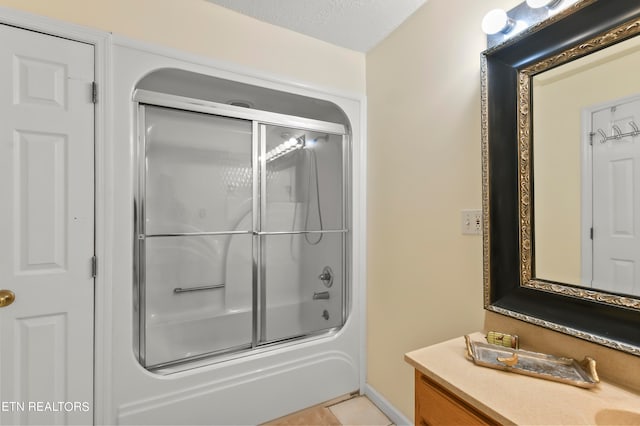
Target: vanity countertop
x: 517, y: 399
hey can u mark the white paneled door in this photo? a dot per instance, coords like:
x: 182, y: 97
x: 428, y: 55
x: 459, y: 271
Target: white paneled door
x: 616, y: 199
x: 47, y: 229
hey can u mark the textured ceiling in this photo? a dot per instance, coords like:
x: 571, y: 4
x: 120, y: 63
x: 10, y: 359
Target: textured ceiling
x: 355, y: 24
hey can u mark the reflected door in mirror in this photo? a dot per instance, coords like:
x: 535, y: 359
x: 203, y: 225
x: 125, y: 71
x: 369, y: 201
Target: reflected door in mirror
x: 565, y: 165
x: 616, y: 198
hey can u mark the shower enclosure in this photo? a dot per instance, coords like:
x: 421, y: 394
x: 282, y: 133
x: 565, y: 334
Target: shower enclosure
x: 241, y: 232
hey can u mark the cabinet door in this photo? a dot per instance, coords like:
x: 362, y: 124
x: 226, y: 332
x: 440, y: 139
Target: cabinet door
x: 437, y: 406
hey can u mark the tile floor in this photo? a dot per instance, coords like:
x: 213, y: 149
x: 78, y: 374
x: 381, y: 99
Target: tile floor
x: 354, y: 411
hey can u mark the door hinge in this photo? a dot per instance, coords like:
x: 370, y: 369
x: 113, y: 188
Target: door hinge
x: 94, y: 92
x: 591, y: 135
x: 94, y: 267
x: 591, y: 233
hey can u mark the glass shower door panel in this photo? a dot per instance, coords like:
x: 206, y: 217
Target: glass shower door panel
x: 297, y: 301
x: 198, y: 295
x: 304, y: 180
x: 198, y: 172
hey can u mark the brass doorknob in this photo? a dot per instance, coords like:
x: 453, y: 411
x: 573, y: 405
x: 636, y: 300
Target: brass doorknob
x: 6, y: 298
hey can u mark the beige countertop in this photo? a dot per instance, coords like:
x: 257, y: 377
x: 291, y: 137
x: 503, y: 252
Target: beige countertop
x: 517, y: 399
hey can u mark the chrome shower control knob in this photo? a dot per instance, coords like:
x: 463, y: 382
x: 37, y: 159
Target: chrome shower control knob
x: 326, y: 276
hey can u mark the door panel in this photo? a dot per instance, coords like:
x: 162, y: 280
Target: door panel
x: 199, y: 172
x: 196, y: 198
x: 303, y: 236
x: 190, y: 308
x: 47, y: 228
x: 297, y: 301
x: 40, y: 200
x: 304, y: 181
x: 616, y: 201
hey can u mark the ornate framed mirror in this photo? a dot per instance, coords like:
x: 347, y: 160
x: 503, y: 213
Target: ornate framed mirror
x: 554, y: 179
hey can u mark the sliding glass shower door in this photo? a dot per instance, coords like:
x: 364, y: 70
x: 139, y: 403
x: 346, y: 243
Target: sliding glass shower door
x: 197, y: 185
x: 302, y: 218
x: 241, y: 234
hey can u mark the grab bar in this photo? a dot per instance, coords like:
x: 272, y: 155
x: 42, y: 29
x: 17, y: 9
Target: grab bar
x: 179, y: 290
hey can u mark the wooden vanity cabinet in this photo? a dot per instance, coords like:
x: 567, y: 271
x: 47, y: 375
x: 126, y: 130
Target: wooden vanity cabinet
x: 435, y: 405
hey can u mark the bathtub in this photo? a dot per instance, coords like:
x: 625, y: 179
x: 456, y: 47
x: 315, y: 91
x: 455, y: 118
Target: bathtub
x: 192, y: 338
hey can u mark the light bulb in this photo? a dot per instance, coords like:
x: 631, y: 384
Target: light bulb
x: 496, y: 21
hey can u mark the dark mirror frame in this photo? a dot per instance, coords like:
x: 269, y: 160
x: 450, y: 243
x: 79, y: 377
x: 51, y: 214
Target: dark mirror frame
x: 507, y: 183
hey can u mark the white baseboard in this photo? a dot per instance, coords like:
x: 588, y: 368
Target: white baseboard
x: 386, y: 407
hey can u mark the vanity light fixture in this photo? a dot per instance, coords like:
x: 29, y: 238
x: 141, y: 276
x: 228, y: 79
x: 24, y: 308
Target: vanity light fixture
x: 500, y: 25
x: 497, y: 21
x: 549, y: 4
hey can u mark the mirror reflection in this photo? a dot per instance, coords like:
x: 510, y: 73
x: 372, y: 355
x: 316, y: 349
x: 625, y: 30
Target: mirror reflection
x: 586, y: 171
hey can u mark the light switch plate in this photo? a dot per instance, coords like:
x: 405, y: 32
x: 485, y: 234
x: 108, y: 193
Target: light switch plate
x: 471, y: 222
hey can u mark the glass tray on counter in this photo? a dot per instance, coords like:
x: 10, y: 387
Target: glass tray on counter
x: 565, y: 370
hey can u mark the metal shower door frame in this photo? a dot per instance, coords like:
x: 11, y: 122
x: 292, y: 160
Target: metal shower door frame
x: 260, y: 120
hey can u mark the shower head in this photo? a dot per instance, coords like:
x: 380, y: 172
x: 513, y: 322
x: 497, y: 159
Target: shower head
x: 315, y: 140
